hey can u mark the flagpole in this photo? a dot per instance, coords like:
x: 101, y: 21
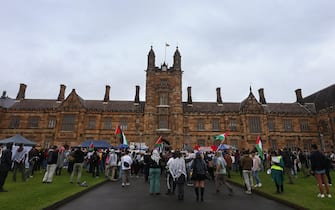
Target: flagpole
x: 165, y: 53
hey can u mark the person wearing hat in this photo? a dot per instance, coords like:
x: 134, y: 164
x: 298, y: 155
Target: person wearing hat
x: 5, y: 165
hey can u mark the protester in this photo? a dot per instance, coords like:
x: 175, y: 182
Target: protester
x: 178, y: 171
x: 170, y: 183
x: 51, y: 165
x: 60, y: 161
x: 126, y: 162
x: 112, y: 162
x: 277, y: 171
x: 5, y: 165
x: 154, y: 172
x: 221, y: 173
x: 256, y: 167
x: 199, y: 168
x: 246, y: 166
x: 318, y: 168
x: 33, y: 160
x: 78, y: 159
x: 19, y: 159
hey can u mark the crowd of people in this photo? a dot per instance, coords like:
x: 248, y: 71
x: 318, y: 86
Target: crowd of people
x: 178, y: 168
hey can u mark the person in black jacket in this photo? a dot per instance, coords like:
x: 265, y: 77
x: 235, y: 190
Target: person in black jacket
x: 199, y: 169
x: 5, y: 165
x: 51, y: 165
x: 319, y: 165
x: 78, y: 159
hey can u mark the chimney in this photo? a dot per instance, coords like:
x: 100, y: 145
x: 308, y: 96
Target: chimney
x: 4, y: 94
x: 299, y: 96
x: 106, y: 98
x: 137, y: 95
x: 189, y: 96
x: 61, y: 95
x: 218, y: 96
x: 261, y: 96
x: 22, y: 92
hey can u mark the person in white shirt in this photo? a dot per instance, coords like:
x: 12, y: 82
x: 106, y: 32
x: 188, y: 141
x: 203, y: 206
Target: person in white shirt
x: 126, y: 162
x: 178, y: 171
x: 256, y: 167
x: 169, y: 178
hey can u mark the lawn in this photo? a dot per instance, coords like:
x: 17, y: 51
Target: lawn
x: 303, y: 192
x: 33, y: 194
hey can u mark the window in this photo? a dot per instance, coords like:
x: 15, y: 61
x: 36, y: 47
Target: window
x: 288, y: 125
x: 255, y: 125
x: 91, y: 123
x: 201, y: 125
x: 68, y: 123
x: 108, y: 123
x: 201, y: 142
x: 163, y: 122
x: 271, y: 124
x: 304, y: 125
x: 273, y: 144
x: 124, y: 124
x: 290, y: 144
x: 216, y: 124
x: 163, y: 83
x: 163, y: 99
x: 33, y: 122
x: 14, y: 122
x: 52, y: 122
x: 232, y: 125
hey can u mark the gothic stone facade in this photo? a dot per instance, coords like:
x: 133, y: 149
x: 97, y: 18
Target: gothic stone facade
x: 72, y: 119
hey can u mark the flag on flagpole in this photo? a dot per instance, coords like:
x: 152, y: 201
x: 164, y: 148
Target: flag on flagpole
x: 259, y: 147
x: 124, y: 139
x: 222, y: 138
x: 118, y: 131
x: 91, y: 147
x: 159, y: 144
x: 167, y: 45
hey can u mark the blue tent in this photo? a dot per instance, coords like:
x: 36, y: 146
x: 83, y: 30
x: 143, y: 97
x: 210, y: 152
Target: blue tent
x: 18, y: 139
x: 122, y: 146
x: 224, y: 147
x: 96, y: 143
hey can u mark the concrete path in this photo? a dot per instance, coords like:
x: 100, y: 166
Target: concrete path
x: 111, y: 195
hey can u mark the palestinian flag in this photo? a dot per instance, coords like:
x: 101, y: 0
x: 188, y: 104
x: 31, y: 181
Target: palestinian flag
x: 118, y: 131
x: 124, y: 140
x: 221, y: 137
x: 159, y: 143
x: 91, y: 147
x: 259, y: 147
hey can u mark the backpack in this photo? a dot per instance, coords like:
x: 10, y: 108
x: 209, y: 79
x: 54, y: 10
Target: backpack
x: 125, y: 164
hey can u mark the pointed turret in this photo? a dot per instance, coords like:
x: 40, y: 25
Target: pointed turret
x: 151, y: 59
x: 177, y: 60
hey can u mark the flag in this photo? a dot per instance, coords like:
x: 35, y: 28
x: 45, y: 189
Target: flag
x: 118, y: 131
x: 221, y: 137
x: 259, y: 147
x: 167, y: 45
x: 159, y: 144
x: 91, y: 147
x: 124, y: 140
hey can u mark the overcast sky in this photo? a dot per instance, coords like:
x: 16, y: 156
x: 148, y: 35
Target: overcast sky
x: 278, y: 45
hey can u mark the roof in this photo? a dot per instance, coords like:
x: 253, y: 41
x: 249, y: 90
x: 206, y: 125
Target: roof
x: 322, y: 99
x: 18, y: 139
x: 6, y: 102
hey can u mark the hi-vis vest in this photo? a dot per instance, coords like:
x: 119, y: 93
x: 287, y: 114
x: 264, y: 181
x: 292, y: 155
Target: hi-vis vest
x: 277, y: 167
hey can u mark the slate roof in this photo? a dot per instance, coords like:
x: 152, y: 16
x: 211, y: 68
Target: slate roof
x: 212, y: 107
x: 323, y: 98
x: 6, y: 102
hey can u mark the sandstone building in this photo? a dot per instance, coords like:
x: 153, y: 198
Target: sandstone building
x: 71, y: 119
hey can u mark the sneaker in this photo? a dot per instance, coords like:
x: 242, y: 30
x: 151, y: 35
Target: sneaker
x: 127, y: 183
x: 330, y: 185
x: 329, y: 196
x: 123, y: 184
x: 248, y: 192
x: 260, y: 185
x: 256, y: 185
x: 321, y: 195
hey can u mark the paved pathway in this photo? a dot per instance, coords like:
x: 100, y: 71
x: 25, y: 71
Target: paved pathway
x: 111, y: 195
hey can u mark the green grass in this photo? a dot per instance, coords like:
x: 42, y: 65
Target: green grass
x: 303, y: 192
x: 33, y: 194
